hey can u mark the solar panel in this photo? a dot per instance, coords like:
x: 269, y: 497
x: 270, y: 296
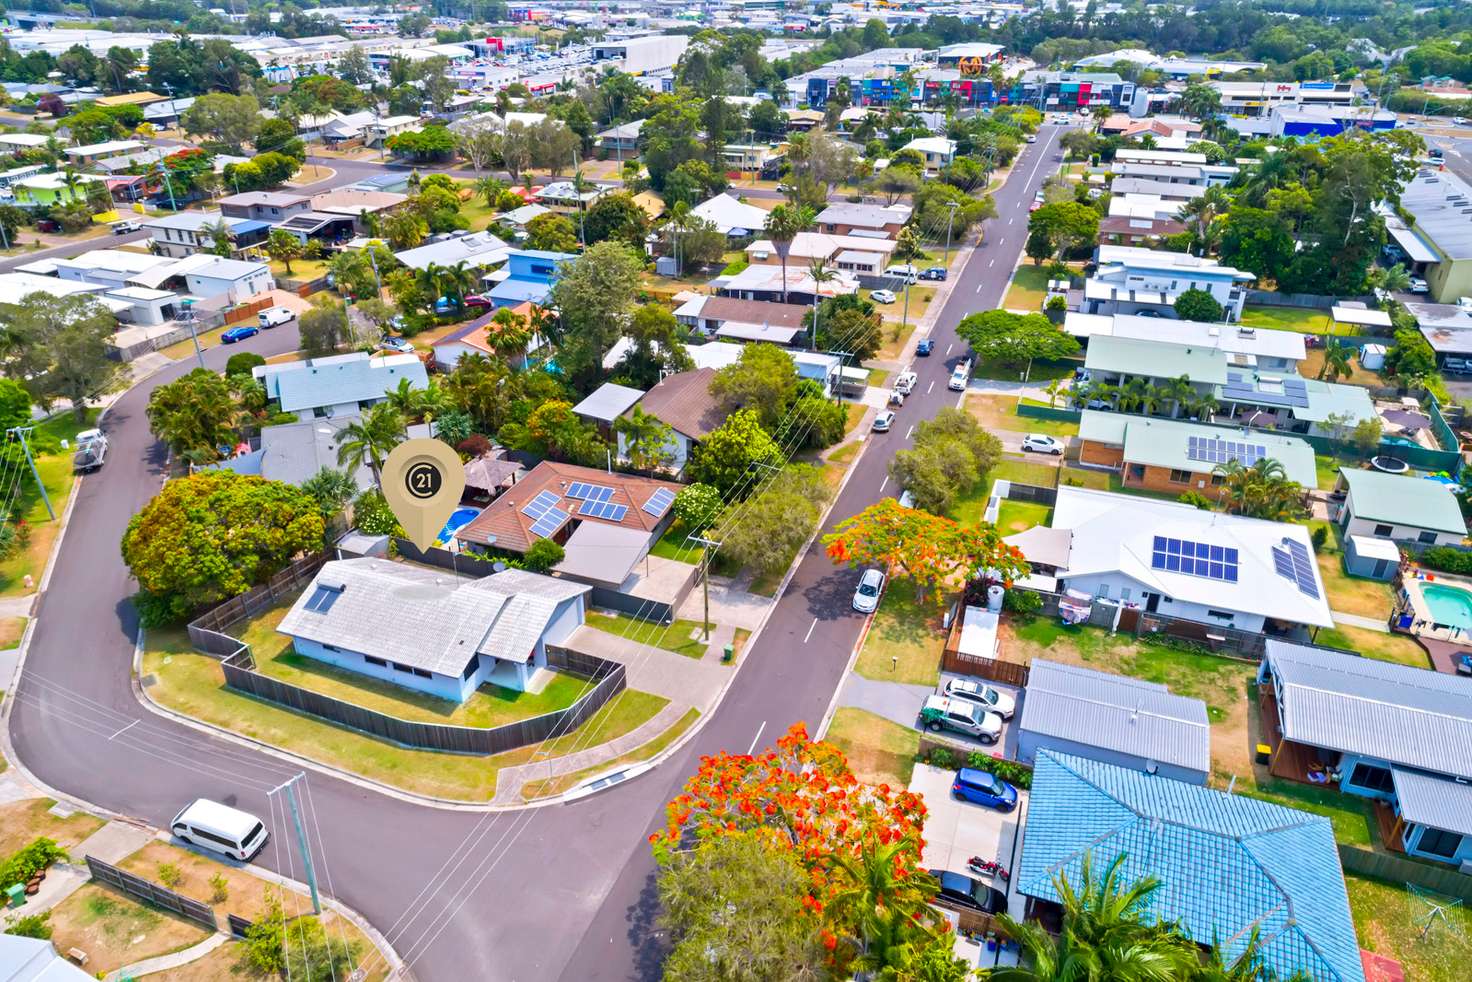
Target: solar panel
x: 1213, y: 450
x: 540, y: 505
x: 603, y: 509
x: 552, y: 520
x: 1292, y: 562
x: 584, y: 491
x: 659, y: 502
x: 1194, y: 559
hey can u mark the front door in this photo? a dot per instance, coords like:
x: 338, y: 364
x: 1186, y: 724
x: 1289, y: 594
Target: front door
x: 1152, y: 602
x: 1380, y: 567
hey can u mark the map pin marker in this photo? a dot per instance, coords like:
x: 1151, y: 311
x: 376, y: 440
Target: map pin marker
x: 422, y: 481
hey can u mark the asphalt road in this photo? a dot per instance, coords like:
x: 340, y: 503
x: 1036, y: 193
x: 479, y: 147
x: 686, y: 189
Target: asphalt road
x: 533, y: 894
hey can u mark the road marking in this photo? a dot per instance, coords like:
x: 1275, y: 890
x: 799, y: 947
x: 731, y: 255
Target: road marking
x: 884, y: 485
x: 931, y: 387
x: 807, y: 636
x: 989, y: 266
x: 1009, y: 221
x: 759, y: 729
x: 948, y: 352
x: 1002, y: 243
x: 1034, y: 171
x: 123, y: 730
x: 909, y: 431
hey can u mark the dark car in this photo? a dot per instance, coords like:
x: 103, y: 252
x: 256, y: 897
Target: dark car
x: 960, y: 890
x: 239, y: 334
x: 984, y: 788
x: 934, y: 273
x: 925, y: 347
x: 1464, y: 663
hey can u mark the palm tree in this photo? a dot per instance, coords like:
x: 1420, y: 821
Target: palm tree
x: 332, y: 488
x: 490, y: 189
x: 1260, y: 491
x: 508, y: 333
x: 1337, y: 360
x: 431, y: 282
x: 1200, y: 213
x: 1054, y: 389
x: 457, y: 281
x: 1100, y: 114
x: 1179, y: 391
x: 783, y: 225
x: 1133, y: 394
x: 885, y: 904
x: 370, y: 440
x: 1394, y: 278
x: 821, y: 273
x: 1201, y: 405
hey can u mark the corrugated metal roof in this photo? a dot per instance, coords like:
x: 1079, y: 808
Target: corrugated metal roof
x: 1402, y: 500
x: 328, y: 382
x: 1116, y: 713
x: 1226, y: 864
x: 1166, y: 443
x: 1201, y: 364
x: 1440, y: 802
x: 1408, y: 716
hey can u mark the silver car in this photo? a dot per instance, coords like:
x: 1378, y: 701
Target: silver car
x: 983, y: 695
x: 866, y: 597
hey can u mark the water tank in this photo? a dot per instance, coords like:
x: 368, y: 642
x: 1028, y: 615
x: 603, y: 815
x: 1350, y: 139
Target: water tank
x: 994, y: 598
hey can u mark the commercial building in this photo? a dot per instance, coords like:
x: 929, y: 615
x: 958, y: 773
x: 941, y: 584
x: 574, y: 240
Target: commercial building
x: 1439, y: 204
x: 1068, y: 91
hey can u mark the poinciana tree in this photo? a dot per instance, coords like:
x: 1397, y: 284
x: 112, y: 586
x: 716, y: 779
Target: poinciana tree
x: 928, y: 550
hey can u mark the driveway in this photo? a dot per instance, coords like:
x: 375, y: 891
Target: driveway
x: 900, y: 703
x: 956, y: 830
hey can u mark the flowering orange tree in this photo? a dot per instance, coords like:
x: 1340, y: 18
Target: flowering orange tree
x: 860, y: 844
x: 928, y: 550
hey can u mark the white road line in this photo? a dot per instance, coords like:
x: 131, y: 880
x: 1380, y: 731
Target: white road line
x: 1009, y: 221
x: 909, y: 431
x: 1002, y: 243
x: 123, y: 730
x: 760, y: 728
x: 807, y: 636
x: 989, y: 266
x: 884, y: 484
x: 931, y: 387
x: 1034, y: 171
x: 948, y: 352
x: 979, y: 286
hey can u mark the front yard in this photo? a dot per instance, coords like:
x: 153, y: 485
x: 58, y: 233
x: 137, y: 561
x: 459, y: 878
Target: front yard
x: 997, y: 412
x: 680, y: 636
x: 878, y: 750
x: 25, y: 820
x: 905, y: 638
x: 115, y: 930
x: 57, y: 475
x: 1028, y: 289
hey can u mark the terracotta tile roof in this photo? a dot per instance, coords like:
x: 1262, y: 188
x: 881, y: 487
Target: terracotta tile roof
x: 504, y: 521
x: 684, y: 403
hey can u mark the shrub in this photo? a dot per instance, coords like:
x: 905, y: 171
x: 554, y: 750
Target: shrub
x: 1008, y: 770
x: 475, y: 445
x: 942, y: 758
x: 1057, y: 302
x: 170, y: 875
x: 543, y: 555
x: 372, y: 514
x: 1319, y: 536
x: 31, y: 860
x: 219, y: 889
x: 1195, y: 499
x: 32, y: 926
x: 1023, y: 603
x: 242, y: 363
x: 1446, y: 559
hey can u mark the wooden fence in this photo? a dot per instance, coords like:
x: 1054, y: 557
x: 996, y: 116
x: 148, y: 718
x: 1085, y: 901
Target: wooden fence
x: 1394, y: 869
x: 207, y: 632
x: 152, y: 893
x: 237, y: 925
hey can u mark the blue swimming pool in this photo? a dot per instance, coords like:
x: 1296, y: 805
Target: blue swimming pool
x: 458, y: 517
x: 1449, y: 605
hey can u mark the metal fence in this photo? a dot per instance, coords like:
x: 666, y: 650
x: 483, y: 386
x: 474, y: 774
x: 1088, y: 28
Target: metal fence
x: 1272, y: 298
x: 1397, y: 870
x: 1026, y: 408
x: 1032, y: 492
x: 152, y: 893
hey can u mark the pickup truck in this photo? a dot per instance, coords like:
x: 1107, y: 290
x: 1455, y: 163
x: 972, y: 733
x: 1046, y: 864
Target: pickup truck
x: 943, y: 713
x: 91, y: 450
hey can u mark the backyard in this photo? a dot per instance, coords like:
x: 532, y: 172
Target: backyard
x: 878, y: 750
x: 1019, y: 516
x: 115, y: 930
x: 55, y: 467
x: 1304, y: 320
x: 905, y: 638
x: 1390, y: 920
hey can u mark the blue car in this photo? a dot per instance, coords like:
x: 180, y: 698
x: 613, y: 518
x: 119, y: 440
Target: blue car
x: 925, y: 347
x: 983, y: 788
x: 239, y: 334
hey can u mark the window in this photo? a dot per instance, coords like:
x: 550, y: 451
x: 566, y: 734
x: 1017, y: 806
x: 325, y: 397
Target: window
x: 402, y: 668
x: 1427, y: 537
x: 420, y: 673
x: 1217, y: 480
x: 196, y: 830
x: 330, y: 647
x: 1179, y: 476
x: 380, y: 662
x: 1124, y: 593
x: 470, y: 669
x: 1384, y: 530
x: 1372, y: 778
x: 1102, y: 591
x: 1225, y: 615
x: 1439, y: 842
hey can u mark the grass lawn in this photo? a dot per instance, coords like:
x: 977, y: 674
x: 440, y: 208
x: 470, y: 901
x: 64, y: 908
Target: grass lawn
x: 302, y: 270
x: 1353, y: 822
x: 879, y: 378
x: 1350, y: 594
x: 23, y: 821
x: 895, y: 339
x: 907, y: 630
x: 1027, y: 472
x: 553, y: 786
x: 996, y: 412
x: 115, y: 931
x: 679, y: 636
x: 55, y: 468
x: 735, y: 265
x: 1304, y: 320
x: 878, y: 750
x: 673, y: 545
x: 848, y: 451
x: 191, y: 683
x: 1388, y: 919
x: 1326, y: 471
x: 1087, y: 477
x: 11, y: 629
x: 1018, y: 516
x: 491, y: 705
x: 1027, y: 290
x: 853, y: 416
x: 1219, y: 682
x: 1399, y: 648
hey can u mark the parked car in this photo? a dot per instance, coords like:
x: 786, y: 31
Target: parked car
x: 961, y: 890
x: 924, y: 348
x: 1032, y: 138
x: 1036, y: 204
x: 866, y: 597
x: 477, y: 302
x: 984, y: 788
x: 1465, y: 303
x: 1418, y: 285
x: 91, y: 450
x: 943, y: 713
x: 988, y: 698
x: 1464, y: 664
x: 1147, y: 312
x: 934, y: 273
x: 961, y: 377
x: 882, y: 296
x: 272, y: 316
x: 904, y: 272
x: 883, y: 422
x: 220, y: 828
x: 1037, y: 443
x: 239, y: 333
x: 401, y: 345
x: 47, y: 225
x: 125, y: 226
x: 906, y: 382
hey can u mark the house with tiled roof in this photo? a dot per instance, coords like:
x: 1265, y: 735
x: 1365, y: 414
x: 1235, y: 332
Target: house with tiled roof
x: 1228, y: 866
x: 476, y: 336
x: 683, y: 402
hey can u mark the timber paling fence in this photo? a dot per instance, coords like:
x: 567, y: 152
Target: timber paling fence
x: 152, y: 893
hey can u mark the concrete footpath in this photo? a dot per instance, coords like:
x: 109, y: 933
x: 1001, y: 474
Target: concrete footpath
x: 175, y: 959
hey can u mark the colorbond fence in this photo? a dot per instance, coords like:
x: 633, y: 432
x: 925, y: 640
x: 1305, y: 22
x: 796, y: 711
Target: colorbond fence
x: 1397, y: 870
x: 152, y: 893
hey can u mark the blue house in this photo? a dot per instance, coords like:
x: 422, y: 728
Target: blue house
x: 425, y: 630
x: 1399, y: 735
x: 1227, y: 865
x: 530, y: 274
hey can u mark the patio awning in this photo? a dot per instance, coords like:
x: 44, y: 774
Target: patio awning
x: 1433, y: 800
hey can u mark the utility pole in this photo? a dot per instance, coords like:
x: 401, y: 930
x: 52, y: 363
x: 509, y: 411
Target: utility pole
x: 189, y: 319
x: 838, y: 389
x: 710, y: 547
x: 21, y: 432
x: 173, y: 205
x: 301, y: 838
x: 952, y: 205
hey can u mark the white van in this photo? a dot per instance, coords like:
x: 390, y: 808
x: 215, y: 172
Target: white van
x: 220, y: 828
x: 272, y: 316
x: 961, y: 377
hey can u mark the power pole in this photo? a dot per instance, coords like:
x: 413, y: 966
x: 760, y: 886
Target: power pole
x: 21, y: 432
x: 301, y: 839
x: 838, y: 389
x: 710, y: 547
x: 173, y: 205
x: 952, y: 205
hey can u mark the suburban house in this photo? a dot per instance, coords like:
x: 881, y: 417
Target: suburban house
x: 872, y: 221
x: 1170, y: 193
x: 441, y: 636
x: 1230, y: 867
x: 1403, y: 509
x: 529, y: 277
x: 622, y: 140
x: 863, y: 257
x: 1255, y: 348
x: 1114, y: 719
x: 264, y: 206
x: 357, y: 204
x: 1130, y: 279
x: 237, y: 279
x: 475, y: 249
x: 761, y: 282
x: 325, y: 228
x: 604, y: 405
x: 294, y: 452
x: 606, y: 523
x: 1174, y: 559
x: 937, y: 151
x: 743, y: 320
x: 186, y: 232
x: 733, y: 219
x: 380, y: 131
x: 820, y: 366
x: 339, y: 385
x: 1138, y: 220
x: 475, y: 338
x: 109, y: 267
x: 564, y: 196
x: 44, y: 190
x: 520, y: 218
x: 1173, y: 456
x: 1437, y: 243
x: 1399, y: 735
x: 101, y: 151
x: 683, y: 402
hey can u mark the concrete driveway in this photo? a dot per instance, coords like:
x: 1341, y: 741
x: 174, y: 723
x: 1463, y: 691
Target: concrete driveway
x: 900, y: 703
x: 956, y: 830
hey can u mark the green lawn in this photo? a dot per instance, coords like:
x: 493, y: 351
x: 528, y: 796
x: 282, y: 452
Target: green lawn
x: 1354, y: 823
x: 1018, y: 516
x: 542, y: 789
x: 1304, y: 320
x: 673, y: 545
x: 878, y: 750
x: 1346, y: 593
x: 1399, y: 648
x: 905, y: 639
x: 302, y: 270
x: 57, y: 476
x: 1039, y: 371
x: 1026, y: 472
x: 1088, y: 477
x: 678, y: 636
x: 1028, y: 289
x: 1326, y: 471
x: 995, y: 412
x: 1389, y: 921
x: 878, y: 378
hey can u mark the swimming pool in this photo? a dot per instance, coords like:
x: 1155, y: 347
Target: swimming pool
x: 458, y: 517
x: 1449, y: 605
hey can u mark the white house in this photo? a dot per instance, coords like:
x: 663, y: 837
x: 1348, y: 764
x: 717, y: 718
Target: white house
x: 236, y: 278
x: 733, y: 218
x: 474, y: 249
x: 391, y: 126
x: 937, y: 151
x: 1130, y: 279
x: 1261, y: 349
x: 338, y: 385
x: 1403, y: 509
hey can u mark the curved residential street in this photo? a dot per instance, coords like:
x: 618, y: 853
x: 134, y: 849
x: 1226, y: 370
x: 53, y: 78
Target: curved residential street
x: 561, y: 891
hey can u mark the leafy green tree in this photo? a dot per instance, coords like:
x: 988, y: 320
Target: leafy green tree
x: 1198, y: 305
x: 324, y: 328
x: 644, y: 440
x: 59, y: 348
x: 725, y: 458
x: 764, y: 533
x: 763, y: 379
x: 1263, y: 490
x: 951, y: 455
x: 1068, y: 225
x: 696, y: 507
x: 194, y: 415
x: 932, y: 204
x: 594, y: 294
x: 552, y: 232
x: 616, y: 216
x: 230, y: 120
x: 15, y: 404
x: 1257, y: 240
x: 657, y: 348
x: 670, y: 136
x: 430, y: 143
x: 553, y: 430
x: 692, y: 182
x: 404, y: 229
x: 850, y: 323
x: 332, y: 489
x: 299, y: 948
x: 1015, y: 339
x: 31, y: 926
x: 543, y: 555
x: 213, y: 535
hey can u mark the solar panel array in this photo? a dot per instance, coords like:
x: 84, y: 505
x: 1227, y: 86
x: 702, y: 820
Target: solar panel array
x: 589, y: 492
x: 1194, y: 559
x: 603, y: 509
x: 1214, y: 450
x: 659, y: 502
x: 546, y: 517
x: 1293, y: 563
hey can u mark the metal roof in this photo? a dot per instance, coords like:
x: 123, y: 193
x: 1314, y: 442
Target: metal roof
x: 1200, y: 363
x: 1116, y: 713
x: 1441, y: 204
x: 608, y: 402
x: 1166, y: 443
x: 1396, y: 713
x: 1227, y: 864
x: 337, y: 380
x: 1401, y: 500
x: 1428, y: 799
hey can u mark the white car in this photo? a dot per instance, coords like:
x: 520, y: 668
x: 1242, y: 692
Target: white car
x: 272, y: 316
x: 1465, y: 303
x: 1032, y: 138
x: 905, y: 383
x: 960, y: 378
x: 866, y: 597
x: 882, y: 296
x: 883, y: 422
x: 1418, y: 285
x: 1037, y: 443
x: 970, y: 690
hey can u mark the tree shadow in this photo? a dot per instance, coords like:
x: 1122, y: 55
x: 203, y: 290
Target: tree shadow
x: 645, y: 936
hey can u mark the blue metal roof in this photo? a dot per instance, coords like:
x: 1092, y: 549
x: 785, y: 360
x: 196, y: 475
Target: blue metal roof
x: 249, y: 225
x: 1226, y: 863
x: 515, y: 290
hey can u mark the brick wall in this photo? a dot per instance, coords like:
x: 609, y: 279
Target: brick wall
x: 1100, y: 454
x: 1158, y: 479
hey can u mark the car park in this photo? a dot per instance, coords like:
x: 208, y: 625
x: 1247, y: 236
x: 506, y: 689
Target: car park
x: 906, y: 382
x: 866, y: 596
x: 984, y: 788
x: 239, y: 334
x: 943, y: 713
x: 401, y: 345
x: 883, y: 422
x: 934, y: 273
x: 882, y: 296
x: 988, y: 698
x: 220, y: 828
x: 960, y: 890
x: 924, y: 348
x: 960, y: 378
x: 1037, y: 443
x: 272, y: 316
